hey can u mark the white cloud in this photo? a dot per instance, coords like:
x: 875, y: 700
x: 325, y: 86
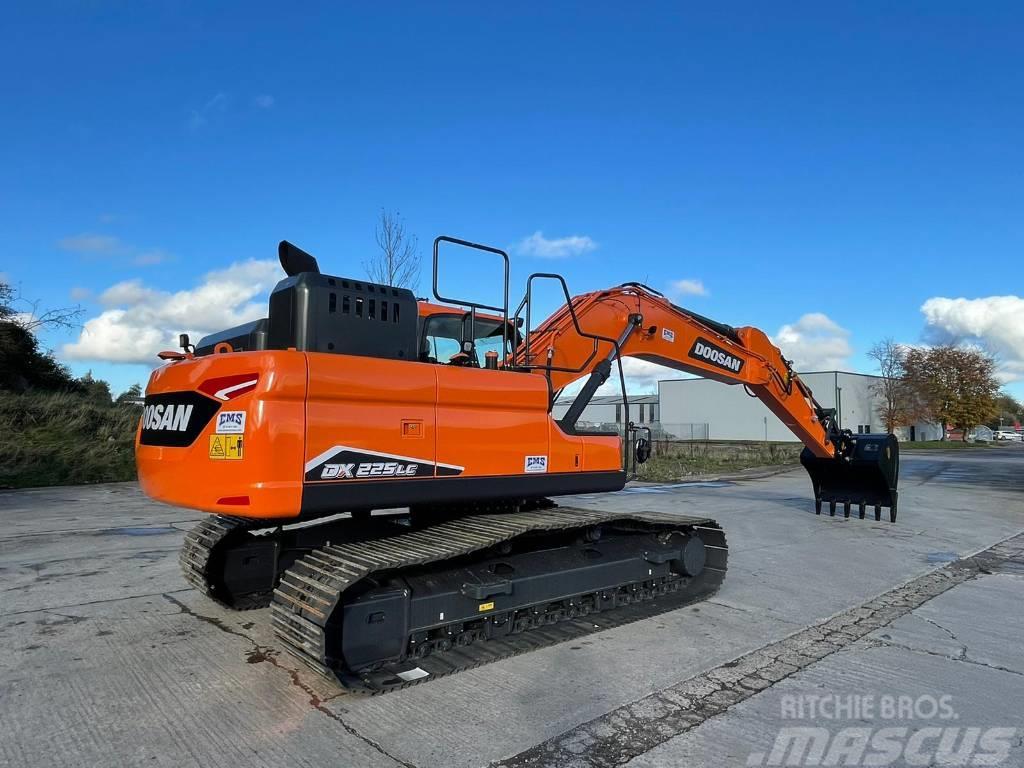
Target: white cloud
x: 557, y: 248
x: 78, y: 293
x: 151, y: 257
x: 104, y: 245
x: 25, y: 320
x: 687, y: 287
x: 127, y: 293
x: 264, y: 101
x: 993, y: 322
x: 213, y: 108
x: 815, y: 343
x: 90, y: 244
x: 140, y: 321
x: 642, y: 377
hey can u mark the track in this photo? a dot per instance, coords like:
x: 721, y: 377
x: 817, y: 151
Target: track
x: 305, y: 608
x: 203, y: 546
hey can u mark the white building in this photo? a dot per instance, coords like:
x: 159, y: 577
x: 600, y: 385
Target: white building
x: 731, y: 414
x: 607, y: 409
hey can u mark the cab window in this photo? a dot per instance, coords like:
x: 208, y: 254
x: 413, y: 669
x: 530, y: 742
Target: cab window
x: 442, y: 338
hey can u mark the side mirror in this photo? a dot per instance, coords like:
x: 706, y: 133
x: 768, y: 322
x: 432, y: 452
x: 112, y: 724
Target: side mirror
x: 184, y: 343
x: 642, y: 450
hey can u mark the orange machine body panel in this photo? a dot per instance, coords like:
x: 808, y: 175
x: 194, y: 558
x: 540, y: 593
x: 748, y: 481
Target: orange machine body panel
x: 266, y: 481
x: 327, y: 433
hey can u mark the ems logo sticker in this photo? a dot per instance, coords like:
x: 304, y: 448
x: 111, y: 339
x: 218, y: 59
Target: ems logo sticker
x: 225, y: 447
x: 668, y: 334
x: 536, y: 464
x: 231, y: 422
x: 706, y: 351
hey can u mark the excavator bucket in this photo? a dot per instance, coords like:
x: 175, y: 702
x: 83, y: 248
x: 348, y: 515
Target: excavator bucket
x: 864, y: 475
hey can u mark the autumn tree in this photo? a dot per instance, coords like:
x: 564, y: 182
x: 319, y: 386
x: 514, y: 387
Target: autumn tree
x: 397, y: 261
x: 956, y: 385
x: 897, y: 404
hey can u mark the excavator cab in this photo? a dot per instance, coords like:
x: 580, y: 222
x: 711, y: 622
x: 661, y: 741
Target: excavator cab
x: 864, y: 472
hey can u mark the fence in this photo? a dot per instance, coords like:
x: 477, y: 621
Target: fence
x: 682, y: 433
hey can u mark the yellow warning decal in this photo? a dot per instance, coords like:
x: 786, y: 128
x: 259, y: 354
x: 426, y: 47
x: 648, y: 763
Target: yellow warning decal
x: 226, y: 446
x: 486, y: 606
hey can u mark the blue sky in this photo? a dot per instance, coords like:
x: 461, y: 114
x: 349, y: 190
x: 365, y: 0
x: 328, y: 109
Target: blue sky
x: 830, y: 172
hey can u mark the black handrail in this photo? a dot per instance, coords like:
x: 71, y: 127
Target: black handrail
x: 527, y: 302
x: 474, y: 306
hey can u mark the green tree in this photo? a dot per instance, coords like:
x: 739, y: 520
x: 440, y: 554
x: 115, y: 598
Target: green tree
x: 956, y: 386
x: 1009, y: 411
x: 95, y: 389
x: 23, y: 365
x: 131, y: 395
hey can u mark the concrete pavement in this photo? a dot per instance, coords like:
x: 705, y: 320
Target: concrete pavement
x: 109, y: 659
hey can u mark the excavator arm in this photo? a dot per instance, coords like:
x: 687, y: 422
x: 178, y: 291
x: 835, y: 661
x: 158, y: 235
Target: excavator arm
x: 590, y: 331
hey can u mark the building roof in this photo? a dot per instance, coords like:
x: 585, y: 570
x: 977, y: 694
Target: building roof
x: 612, y: 399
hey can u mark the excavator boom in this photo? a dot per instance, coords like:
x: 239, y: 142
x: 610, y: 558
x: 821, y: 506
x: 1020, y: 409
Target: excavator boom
x: 633, y: 320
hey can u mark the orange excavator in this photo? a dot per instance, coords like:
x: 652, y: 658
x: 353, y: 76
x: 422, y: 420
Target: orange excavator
x: 380, y: 469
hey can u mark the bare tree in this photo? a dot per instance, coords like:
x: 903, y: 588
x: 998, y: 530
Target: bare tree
x: 398, y: 260
x: 25, y: 313
x: 896, y: 406
x: 23, y: 365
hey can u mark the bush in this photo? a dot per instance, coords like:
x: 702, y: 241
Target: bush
x: 65, y: 439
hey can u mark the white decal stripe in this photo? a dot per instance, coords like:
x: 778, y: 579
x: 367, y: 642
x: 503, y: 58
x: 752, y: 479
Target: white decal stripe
x: 330, y: 452
x: 222, y: 394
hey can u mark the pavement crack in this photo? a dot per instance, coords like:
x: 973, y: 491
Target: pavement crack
x: 962, y: 656
x: 617, y: 737
x: 261, y: 653
x: 751, y: 612
x: 51, y: 609
x: 936, y: 624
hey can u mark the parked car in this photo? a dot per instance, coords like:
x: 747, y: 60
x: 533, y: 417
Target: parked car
x: 1007, y: 434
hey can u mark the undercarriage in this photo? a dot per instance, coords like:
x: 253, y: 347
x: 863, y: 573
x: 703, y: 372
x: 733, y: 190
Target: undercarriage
x: 390, y: 600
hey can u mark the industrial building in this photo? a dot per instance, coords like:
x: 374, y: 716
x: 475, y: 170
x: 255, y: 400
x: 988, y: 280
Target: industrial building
x: 702, y: 409
x: 607, y: 409
x: 731, y: 414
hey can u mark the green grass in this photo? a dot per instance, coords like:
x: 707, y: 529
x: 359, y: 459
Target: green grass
x: 672, y: 462
x: 64, y: 439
